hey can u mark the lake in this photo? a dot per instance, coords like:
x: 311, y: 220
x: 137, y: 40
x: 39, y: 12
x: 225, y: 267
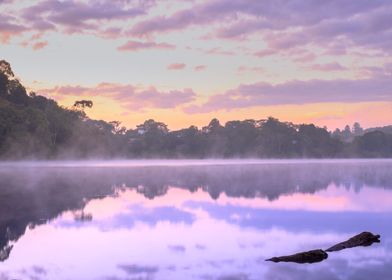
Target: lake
x: 193, y: 219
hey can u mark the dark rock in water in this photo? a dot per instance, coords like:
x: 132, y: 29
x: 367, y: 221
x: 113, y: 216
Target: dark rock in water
x: 362, y: 239
x: 304, y: 257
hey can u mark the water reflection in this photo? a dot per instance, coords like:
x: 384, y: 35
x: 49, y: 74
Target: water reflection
x: 192, y: 222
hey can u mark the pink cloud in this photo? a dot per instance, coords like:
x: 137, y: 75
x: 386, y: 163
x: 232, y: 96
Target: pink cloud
x: 39, y: 45
x: 200, y: 68
x: 9, y: 28
x: 176, y: 66
x: 128, y: 96
x: 263, y: 53
x: 283, y: 25
x: 137, y: 45
x: 299, y: 92
x: 243, y: 69
x: 328, y: 67
x: 219, y: 51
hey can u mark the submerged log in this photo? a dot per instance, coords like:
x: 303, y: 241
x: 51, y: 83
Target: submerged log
x: 303, y: 257
x: 363, y: 239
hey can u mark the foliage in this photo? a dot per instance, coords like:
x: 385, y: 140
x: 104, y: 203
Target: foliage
x: 33, y: 126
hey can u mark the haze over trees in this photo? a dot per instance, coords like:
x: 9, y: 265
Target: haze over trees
x: 36, y: 127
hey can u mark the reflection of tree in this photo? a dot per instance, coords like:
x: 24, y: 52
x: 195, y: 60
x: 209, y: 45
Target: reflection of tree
x: 33, y: 196
x: 5, y: 252
x: 82, y: 216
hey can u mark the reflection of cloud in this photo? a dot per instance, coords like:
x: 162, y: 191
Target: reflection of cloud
x: 288, y: 272
x: 231, y: 276
x: 296, y: 220
x: 39, y: 270
x: 177, y: 248
x: 239, y: 276
x: 137, y: 269
x: 200, y: 247
x: 339, y: 270
x: 136, y: 214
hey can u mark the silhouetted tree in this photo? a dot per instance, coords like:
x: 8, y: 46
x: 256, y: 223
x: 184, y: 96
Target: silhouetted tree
x: 357, y: 129
x: 33, y: 126
x: 83, y: 104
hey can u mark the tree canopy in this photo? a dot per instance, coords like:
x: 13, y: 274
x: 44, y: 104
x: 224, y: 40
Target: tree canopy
x: 33, y: 126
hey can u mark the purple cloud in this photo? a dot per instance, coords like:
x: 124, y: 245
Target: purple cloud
x: 137, y: 45
x: 128, y: 96
x: 265, y: 52
x: 299, y: 92
x: 328, y: 67
x: 9, y: 28
x: 285, y: 24
x: 334, y: 25
x: 77, y: 17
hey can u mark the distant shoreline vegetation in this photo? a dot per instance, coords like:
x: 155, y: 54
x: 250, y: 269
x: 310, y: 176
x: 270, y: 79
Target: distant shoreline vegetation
x: 35, y: 127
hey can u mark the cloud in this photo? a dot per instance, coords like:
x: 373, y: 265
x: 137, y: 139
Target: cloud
x: 200, y: 67
x: 256, y: 69
x: 176, y: 66
x: 284, y: 24
x: 9, y: 28
x: 218, y: 51
x: 333, y: 66
x: 128, y: 96
x: 137, y: 45
x: 78, y: 13
x: 39, y: 45
x: 299, y: 92
x: 265, y: 52
x: 334, y: 26
x: 104, y: 18
x: 77, y: 16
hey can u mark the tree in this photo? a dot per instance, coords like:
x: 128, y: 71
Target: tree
x: 316, y: 142
x: 241, y: 138
x: 83, y: 104
x: 374, y: 144
x: 215, y: 139
x: 357, y: 129
x: 277, y: 139
x: 6, y: 75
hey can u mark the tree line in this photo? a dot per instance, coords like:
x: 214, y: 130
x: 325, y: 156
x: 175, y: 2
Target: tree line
x: 35, y: 127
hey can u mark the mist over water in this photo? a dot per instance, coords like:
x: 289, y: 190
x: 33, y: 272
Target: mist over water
x: 192, y: 219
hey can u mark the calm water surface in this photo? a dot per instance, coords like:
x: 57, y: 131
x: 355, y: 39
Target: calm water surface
x: 193, y: 219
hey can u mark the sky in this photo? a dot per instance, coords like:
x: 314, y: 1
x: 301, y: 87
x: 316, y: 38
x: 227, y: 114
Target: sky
x: 327, y: 62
